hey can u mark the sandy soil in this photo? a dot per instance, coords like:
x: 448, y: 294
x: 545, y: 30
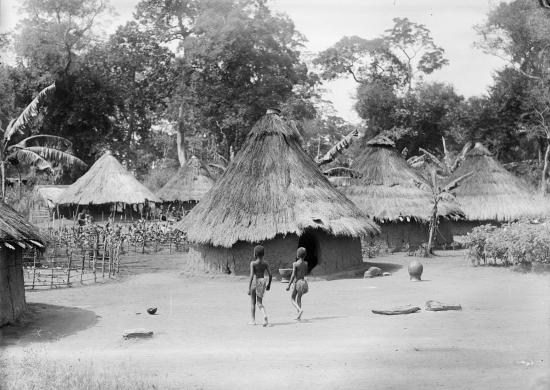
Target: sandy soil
x: 500, y: 340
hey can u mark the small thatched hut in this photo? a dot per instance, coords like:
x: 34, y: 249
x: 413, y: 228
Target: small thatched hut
x: 395, y: 196
x: 188, y: 186
x: 15, y: 235
x: 43, y: 203
x: 108, y: 189
x: 492, y: 194
x: 273, y: 194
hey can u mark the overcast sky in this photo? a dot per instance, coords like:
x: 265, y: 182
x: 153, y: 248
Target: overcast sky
x: 324, y: 22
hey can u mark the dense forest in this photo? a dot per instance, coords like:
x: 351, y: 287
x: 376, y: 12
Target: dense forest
x: 190, y: 77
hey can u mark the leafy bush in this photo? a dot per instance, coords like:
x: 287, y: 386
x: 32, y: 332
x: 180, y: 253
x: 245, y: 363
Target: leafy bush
x: 517, y: 243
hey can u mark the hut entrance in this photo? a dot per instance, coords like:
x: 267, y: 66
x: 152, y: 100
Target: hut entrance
x: 308, y: 241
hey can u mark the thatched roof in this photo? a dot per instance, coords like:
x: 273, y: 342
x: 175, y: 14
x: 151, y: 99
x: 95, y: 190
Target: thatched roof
x: 107, y: 181
x: 14, y: 228
x: 189, y: 185
x: 389, y: 189
x: 50, y: 193
x: 272, y: 187
x: 493, y: 193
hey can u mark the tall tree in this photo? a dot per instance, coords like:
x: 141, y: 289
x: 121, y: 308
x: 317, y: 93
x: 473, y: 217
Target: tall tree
x: 53, y: 32
x: 519, y: 33
x: 386, y: 68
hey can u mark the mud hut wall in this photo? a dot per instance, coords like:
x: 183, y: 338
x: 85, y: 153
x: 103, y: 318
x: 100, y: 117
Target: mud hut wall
x: 396, y: 235
x: 12, y: 285
x: 279, y: 253
x: 336, y: 253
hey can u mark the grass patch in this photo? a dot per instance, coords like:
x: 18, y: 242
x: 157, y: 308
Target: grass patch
x: 35, y: 371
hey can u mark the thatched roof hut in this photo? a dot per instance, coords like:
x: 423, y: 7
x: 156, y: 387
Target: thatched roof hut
x: 394, y: 194
x: 189, y: 185
x: 15, y: 235
x: 273, y: 193
x: 492, y: 193
x: 107, y: 183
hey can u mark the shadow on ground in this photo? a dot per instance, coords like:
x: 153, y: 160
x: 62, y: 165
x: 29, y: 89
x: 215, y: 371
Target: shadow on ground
x: 43, y: 322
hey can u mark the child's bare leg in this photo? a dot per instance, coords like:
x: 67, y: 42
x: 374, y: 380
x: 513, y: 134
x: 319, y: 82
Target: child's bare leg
x: 262, y: 309
x: 293, y: 300
x: 252, y: 308
x: 299, y: 302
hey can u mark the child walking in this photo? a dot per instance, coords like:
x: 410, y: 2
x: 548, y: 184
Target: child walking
x: 299, y: 272
x: 257, y: 284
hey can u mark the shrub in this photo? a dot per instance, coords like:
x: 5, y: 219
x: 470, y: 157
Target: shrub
x: 517, y: 243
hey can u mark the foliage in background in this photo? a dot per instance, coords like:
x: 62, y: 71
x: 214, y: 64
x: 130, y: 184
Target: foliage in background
x: 517, y: 243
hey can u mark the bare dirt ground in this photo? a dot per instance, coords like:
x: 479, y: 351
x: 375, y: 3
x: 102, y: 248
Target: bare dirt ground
x: 500, y: 340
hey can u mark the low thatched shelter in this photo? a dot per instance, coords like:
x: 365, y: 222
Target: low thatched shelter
x: 16, y: 234
x: 273, y: 194
x: 395, y: 196
x: 188, y: 186
x: 492, y: 194
x: 43, y: 205
x: 108, y: 189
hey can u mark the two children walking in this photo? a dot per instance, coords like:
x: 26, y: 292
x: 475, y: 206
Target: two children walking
x: 258, y: 285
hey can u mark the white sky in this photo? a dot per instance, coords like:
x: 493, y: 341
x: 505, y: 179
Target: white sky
x: 324, y: 22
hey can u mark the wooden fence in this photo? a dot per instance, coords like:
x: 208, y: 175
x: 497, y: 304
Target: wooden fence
x: 64, y: 267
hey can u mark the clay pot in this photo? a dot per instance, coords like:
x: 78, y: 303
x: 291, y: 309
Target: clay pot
x: 285, y: 273
x: 415, y: 270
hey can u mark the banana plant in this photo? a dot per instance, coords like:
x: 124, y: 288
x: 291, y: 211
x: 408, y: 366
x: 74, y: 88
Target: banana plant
x: 445, y: 166
x: 439, y: 193
x: 40, y: 151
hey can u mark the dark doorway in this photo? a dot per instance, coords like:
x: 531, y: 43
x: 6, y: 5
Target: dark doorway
x: 308, y: 241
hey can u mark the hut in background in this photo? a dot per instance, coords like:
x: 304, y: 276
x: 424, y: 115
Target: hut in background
x: 108, y: 189
x: 492, y: 194
x: 396, y: 197
x: 273, y: 194
x: 43, y: 204
x: 188, y: 186
x: 16, y: 234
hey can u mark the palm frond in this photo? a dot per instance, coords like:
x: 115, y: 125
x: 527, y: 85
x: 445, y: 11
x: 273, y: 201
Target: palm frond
x: 433, y: 158
x: 455, y: 183
x: 29, y: 157
x: 461, y: 156
x: 50, y: 141
x: 56, y: 155
x: 28, y: 113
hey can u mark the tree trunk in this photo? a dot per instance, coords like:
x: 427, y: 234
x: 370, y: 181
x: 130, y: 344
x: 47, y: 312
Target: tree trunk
x: 181, y: 138
x: 3, y: 180
x: 433, y: 227
x: 545, y: 169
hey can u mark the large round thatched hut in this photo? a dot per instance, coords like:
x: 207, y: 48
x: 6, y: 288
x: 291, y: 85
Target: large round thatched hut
x: 108, y: 189
x: 273, y: 194
x: 492, y: 194
x: 15, y: 235
x: 188, y: 186
x: 395, y: 196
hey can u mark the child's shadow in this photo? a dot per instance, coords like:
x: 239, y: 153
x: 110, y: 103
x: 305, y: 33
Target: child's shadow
x: 305, y: 320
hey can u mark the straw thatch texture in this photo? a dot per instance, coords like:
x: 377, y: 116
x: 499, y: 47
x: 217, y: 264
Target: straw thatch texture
x: 189, y: 185
x: 492, y: 193
x: 389, y: 189
x: 272, y: 187
x: 107, y: 181
x: 50, y: 193
x: 14, y: 228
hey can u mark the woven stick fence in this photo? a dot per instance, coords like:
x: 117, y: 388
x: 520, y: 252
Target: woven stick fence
x: 72, y: 265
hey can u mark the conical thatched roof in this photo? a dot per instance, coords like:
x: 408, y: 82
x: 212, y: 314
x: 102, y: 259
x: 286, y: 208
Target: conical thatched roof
x: 14, y: 228
x: 272, y: 187
x: 189, y: 185
x: 107, y: 181
x: 493, y: 193
x: 389, y: 189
